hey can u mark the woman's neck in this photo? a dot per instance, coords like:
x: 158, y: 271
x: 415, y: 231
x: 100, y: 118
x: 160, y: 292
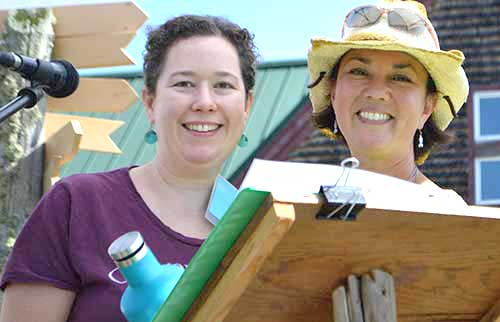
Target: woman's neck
x: 402, y: 168
x: 190, y: 188
x: 177, y: 199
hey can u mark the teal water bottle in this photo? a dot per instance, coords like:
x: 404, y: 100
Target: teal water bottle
x: 149, y: 282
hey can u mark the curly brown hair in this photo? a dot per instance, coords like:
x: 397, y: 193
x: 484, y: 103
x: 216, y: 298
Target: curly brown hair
x: 162, y: 38
x: 431, y: 133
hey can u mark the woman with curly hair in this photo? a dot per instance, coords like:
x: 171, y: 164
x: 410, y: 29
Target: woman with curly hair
x: 199, y: 75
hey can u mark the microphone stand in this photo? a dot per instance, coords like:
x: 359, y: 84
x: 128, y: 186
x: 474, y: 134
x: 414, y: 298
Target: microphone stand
x: 26, y: 98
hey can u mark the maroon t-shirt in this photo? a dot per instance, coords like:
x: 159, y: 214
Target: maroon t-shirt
x: 65, y: 241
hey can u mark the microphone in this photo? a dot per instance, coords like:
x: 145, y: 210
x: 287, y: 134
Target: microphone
x: 58, y: 78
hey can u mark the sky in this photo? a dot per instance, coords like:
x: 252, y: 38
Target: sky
x: 282, y: 28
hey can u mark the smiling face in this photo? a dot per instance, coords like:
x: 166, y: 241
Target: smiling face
x: 200, y: 107
x: 380, y: 100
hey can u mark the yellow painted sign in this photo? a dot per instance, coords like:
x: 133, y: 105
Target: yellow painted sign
x: 95, y: 131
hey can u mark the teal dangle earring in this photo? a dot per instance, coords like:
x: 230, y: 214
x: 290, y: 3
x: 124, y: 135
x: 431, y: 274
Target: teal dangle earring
x: 151, y: 137
x: 243, y: 141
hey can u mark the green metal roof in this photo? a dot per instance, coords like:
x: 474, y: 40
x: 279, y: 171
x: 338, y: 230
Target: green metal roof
x: 280, y: 89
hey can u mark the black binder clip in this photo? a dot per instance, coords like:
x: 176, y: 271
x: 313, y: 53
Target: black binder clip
x: 341, y: 202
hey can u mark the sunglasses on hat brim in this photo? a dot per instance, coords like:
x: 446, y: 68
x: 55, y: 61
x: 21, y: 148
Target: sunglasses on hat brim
x: 401, y: 19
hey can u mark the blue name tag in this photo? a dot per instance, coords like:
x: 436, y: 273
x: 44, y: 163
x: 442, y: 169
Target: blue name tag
x: 222, y: 196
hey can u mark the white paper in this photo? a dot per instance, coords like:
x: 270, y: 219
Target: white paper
x: 306, y: 178
x: 294, y: 180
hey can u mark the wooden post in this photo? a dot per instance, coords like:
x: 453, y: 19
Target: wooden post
x: 354, y: 299
x: 339, y: 305
x: 493, y: 314
x: 372, y: 300
x: 379, y: 299
x: 30, y: 33
x: 59, y: 149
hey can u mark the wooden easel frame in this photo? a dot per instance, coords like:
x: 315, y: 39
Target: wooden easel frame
x: 446, y: 265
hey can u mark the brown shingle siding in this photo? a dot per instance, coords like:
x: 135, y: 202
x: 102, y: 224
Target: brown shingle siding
x: 474, y: 28
x: 454, y: 6
x: 476, y: 13
x: 470, y: 29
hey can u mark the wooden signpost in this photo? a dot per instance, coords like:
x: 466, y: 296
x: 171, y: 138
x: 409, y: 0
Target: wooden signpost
x: 92, y: 35
x: 114, y: 96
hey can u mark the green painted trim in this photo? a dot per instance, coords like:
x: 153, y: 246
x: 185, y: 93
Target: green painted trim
x: 134, y: 71
x: 283, y: 63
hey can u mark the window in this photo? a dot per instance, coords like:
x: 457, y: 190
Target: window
x: 485, y: 146
x: 486, y: 116
x: 488, y: 181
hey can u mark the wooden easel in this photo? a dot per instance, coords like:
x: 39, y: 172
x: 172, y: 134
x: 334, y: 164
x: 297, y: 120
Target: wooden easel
x: 445, y: 263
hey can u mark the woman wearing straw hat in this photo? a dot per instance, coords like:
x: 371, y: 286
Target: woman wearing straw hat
x: 387, y: 88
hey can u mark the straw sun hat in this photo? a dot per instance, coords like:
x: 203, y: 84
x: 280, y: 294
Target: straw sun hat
x: 445, y: 67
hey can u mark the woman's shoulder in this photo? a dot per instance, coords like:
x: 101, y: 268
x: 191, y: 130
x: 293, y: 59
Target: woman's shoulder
x: 95, y: 181
x: 84, y: 189
x: 81, y: 191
